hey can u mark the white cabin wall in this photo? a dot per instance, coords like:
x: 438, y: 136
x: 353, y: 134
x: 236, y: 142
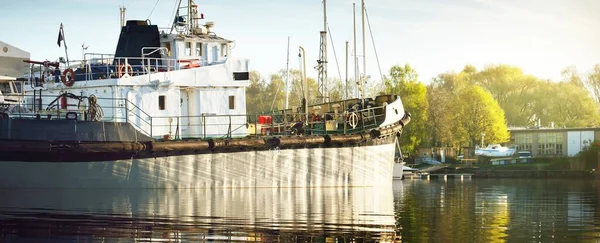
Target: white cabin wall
x: 194, y: 129
x: 214, y: 102
x: 165, y: 121
x: 143, y: 91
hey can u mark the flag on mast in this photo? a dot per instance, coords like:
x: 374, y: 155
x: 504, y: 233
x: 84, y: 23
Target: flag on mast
x: 60, y: 35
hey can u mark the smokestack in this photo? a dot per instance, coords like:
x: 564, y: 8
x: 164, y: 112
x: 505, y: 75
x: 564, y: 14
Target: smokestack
x: 122, y: 9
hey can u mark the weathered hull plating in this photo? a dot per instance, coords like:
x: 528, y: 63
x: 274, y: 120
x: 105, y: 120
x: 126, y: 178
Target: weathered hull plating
x: 369, y: 165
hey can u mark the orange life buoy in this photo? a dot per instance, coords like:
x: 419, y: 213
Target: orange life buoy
x: 46, y: 73
x: 68, y: 80
x: 124, y: 68
x: 191, y: 65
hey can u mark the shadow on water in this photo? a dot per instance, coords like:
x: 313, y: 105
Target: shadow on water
x: 284, y: 215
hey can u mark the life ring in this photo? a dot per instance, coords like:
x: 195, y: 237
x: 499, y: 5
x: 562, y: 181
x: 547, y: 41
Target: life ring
x: 46, y: 74
x: 68, y: 80
x: 123, y: 69
x: 191, y: 65
x: 353, y: 119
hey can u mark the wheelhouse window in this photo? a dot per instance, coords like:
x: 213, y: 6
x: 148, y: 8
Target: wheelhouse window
x: 5, y: 88
x: 188, y: 48
x: 161, y: 102
x: 199, y: 49
x: 18, y: 87
x: 231, y: 102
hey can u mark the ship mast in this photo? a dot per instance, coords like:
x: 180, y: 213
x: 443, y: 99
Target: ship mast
x: 287, y: 76
x: 363, y: 80
x: 356, y: 93
x: 322, y: 63
x: 189, y: 22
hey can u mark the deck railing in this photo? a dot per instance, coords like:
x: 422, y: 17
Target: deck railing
x: 97, y: 66
x: 201, y: 126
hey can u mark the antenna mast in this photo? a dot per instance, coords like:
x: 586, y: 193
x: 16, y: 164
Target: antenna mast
x: 322, y: 63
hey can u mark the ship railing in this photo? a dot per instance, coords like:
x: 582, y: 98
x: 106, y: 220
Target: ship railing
x: 206, y: 126
x: 201, y: 126
x: 105, y: 66
x: 51, y: 107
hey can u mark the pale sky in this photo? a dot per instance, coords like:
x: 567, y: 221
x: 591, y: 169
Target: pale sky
x: 434, y: 36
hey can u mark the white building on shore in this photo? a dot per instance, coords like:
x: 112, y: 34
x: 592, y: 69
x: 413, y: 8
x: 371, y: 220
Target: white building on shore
x: 11, y: 60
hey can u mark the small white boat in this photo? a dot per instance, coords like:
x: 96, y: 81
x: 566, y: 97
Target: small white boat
x: 495, y: 150
x: 401, y: 170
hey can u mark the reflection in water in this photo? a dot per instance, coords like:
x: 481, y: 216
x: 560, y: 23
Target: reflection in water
x: 303, y: 214
x: 476, y: 210
x: 497, y: 210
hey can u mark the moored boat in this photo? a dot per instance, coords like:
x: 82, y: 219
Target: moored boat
x: 168, y: 111
x: 495, y: 150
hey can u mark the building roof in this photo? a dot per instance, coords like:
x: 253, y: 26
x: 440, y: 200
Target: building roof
x: 7, y: 78
x: 7, y: 50
x: 548, y: 129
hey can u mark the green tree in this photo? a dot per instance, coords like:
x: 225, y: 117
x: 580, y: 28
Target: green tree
x: 440, y: 121
x: 275, y: 93
x: 593, y: 82
x: 403, y: 81
x: 480, y: 114
x: 571, y: 106
x: 571, y: 75
x: 336, y: 90
x: 255, y: 101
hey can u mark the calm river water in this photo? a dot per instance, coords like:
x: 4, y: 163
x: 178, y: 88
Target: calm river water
x: 478, y: 210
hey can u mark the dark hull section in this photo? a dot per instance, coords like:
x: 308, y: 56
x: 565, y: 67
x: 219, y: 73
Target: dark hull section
x: 45, y: 129
x: 35, y: 151
x: 76, y: 150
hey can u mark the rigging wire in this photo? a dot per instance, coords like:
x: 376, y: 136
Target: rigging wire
x: 156, y: 3
x: 373, y: 42
x: 276, y: 94
x: 334, y: 54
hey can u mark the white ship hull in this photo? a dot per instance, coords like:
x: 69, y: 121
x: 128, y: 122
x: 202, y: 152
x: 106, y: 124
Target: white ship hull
x: 305, y: 167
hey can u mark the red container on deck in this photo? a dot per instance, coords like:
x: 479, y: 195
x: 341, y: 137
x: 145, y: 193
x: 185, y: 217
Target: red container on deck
x: 265, y: 119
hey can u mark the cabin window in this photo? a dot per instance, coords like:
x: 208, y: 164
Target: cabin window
x: 188, y: 48
x: 231, y: 102
x: 161, y: 102
x: 5, y: 88
x: 223, y: 50
x: 198, y: 49
x: 18, y: 87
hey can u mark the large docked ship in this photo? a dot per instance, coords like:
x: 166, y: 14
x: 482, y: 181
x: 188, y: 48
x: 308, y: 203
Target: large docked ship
x: 168, y: 110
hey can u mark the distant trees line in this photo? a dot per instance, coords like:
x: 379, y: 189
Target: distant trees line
x: 455, y: 109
